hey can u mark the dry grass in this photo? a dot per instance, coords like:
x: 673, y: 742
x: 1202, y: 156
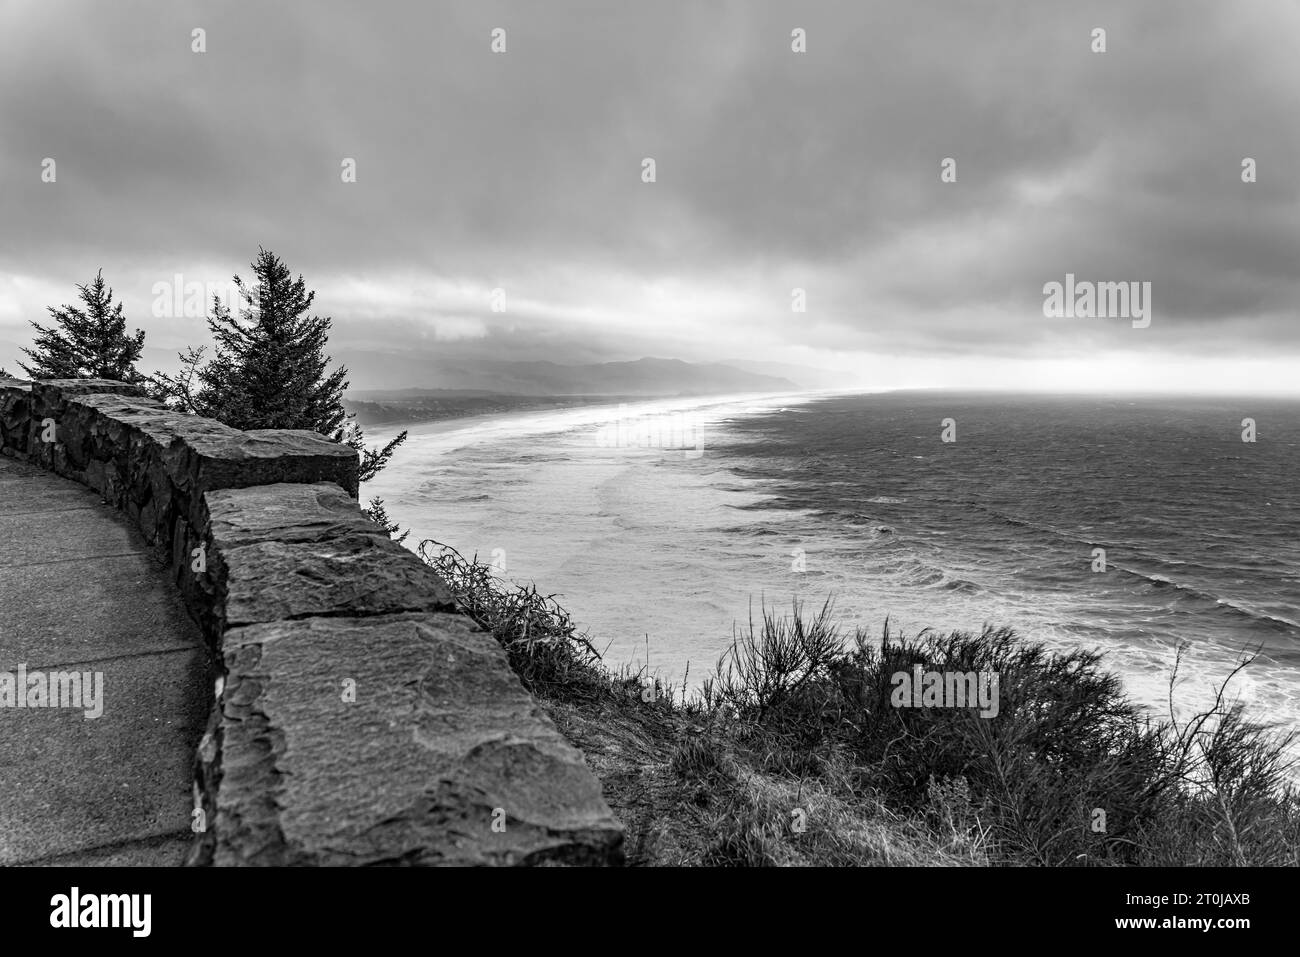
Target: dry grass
x: 793, y: 755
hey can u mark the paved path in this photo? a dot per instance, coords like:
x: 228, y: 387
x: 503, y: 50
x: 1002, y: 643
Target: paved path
x: 80, y: 591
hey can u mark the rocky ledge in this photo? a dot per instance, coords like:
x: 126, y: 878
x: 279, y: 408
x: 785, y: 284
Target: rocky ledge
x: 357, y: 717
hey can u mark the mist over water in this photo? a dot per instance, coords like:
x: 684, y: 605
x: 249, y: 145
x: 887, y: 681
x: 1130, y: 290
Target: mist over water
x: 658, y: 552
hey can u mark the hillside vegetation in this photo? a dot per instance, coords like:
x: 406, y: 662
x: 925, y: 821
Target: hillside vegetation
x: 795, y: 753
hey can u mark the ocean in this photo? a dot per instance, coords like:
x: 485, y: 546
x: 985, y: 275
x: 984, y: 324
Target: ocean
x: 661, y: 526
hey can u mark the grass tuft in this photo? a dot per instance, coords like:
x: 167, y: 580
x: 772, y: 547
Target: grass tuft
x: 795, y: 753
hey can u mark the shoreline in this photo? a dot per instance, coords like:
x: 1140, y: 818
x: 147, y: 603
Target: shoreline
x: 525, y: 420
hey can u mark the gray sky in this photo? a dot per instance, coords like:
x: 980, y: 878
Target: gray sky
x: 522, y: 170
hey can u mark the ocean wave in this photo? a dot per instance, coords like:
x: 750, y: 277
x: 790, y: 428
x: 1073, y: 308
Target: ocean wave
x: 1014, y: 522
x: 914, y: 572
x: 1160, y: 582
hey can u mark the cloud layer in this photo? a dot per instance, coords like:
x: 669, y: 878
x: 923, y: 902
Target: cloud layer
x: 819, y: 170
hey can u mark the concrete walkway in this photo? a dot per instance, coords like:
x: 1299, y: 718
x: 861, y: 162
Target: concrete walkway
x: 81, y: 592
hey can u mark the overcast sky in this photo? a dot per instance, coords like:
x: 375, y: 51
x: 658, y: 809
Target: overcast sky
x: 820, y: 170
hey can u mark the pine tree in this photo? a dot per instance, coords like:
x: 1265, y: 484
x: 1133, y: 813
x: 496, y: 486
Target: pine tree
x: 270, y: 370
x: 86, y: 344
x: 379, y: 515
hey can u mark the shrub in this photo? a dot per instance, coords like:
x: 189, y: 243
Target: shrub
x: 1069, y: 771
x: 540, y: 638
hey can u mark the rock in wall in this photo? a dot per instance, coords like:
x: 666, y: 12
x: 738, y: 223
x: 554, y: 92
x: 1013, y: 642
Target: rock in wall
x: 358, y: 717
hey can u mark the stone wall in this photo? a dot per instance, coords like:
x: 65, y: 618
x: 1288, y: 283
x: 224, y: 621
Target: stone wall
x: 357, y: 717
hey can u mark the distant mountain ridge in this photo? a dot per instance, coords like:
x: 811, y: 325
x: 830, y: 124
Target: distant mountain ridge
x: 640, y: 377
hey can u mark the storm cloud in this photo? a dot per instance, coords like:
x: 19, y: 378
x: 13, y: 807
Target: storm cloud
x: 820, y: 170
